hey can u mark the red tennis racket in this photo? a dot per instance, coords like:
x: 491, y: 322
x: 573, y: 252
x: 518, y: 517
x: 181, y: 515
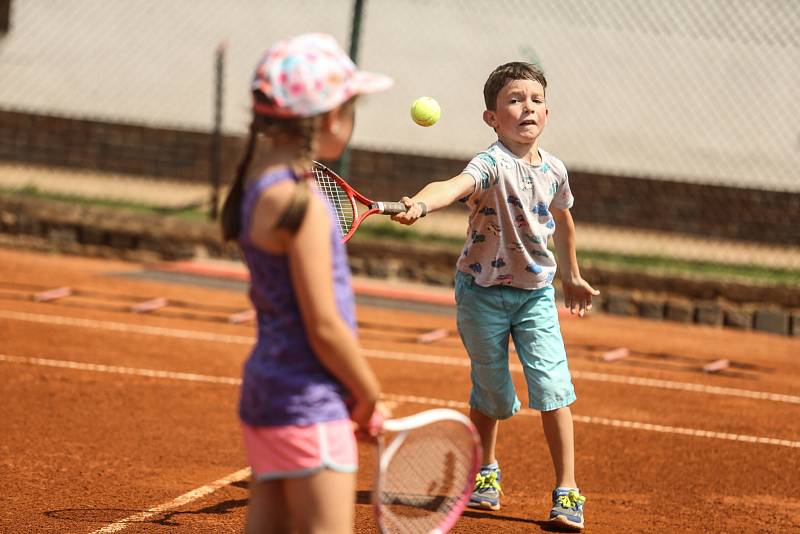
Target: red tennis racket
x: 347, y: 201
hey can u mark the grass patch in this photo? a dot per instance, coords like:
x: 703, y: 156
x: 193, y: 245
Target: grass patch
x: 30, y: 191
x: 691, y: 268
x: 657, y: 265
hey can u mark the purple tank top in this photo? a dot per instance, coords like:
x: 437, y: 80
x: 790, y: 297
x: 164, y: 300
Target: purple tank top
x: 284, y: 382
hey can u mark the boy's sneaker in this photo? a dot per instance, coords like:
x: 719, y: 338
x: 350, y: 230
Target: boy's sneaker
x: 486, y: 493
x: 567, y: 508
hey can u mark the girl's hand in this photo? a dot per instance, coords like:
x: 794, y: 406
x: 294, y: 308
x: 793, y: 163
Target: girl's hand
x: 578, y: 295
x: 414, y: 210
x: 361, y: 411
x: 374, y: 426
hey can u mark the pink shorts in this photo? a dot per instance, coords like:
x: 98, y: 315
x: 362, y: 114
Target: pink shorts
x: 295, y: 451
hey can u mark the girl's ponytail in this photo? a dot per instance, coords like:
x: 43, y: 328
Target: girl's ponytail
x: 231, y: 216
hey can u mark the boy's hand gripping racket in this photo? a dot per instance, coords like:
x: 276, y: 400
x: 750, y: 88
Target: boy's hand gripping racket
x: 345, y: 200
x: 426, y: 470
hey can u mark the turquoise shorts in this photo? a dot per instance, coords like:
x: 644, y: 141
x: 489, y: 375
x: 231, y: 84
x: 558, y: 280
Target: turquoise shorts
x: 486, y: 316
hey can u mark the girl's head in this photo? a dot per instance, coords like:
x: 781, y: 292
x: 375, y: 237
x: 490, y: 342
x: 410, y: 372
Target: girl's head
x: 303, y: 105
x: 309, y: 75
x: 306, y: 85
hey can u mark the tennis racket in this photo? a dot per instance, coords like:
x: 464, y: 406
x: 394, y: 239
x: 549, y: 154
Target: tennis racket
x: 426, y: 470
x: 347, y: 201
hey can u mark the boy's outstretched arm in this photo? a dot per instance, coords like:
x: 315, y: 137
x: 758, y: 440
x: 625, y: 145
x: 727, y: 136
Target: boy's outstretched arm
x: 435, y: 195
x: 577, y: 291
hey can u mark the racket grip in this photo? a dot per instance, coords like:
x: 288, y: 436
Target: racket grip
x: 393, y: 208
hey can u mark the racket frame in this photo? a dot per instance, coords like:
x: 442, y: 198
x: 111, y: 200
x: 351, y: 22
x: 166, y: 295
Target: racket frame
x: 402, y: 426
x: 353, y: 196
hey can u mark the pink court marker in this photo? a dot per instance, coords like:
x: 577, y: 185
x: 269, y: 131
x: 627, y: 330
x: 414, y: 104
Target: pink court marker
x: 615, y: 354
x: 433, y: 335
x: 52, y: 294
x: 242, y: 317
x: 716, y: 366
x: 149, y: 305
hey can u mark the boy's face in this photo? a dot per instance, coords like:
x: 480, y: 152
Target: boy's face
x: 520, y: 114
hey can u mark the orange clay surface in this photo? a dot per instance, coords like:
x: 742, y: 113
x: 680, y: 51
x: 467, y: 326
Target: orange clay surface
x: 93, y: 440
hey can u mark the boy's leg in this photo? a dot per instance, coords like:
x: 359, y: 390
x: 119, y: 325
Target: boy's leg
x: 323, y: 502
x: 487, y: 429
x: 484, y: 326
x: 557, y: 426
x: 487, y: 489
x: 537, y: 337
x: 567, y: 509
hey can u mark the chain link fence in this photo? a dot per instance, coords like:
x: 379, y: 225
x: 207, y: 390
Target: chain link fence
x: 695, y: 100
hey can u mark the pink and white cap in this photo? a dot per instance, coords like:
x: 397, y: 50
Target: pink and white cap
x: 310, y: 74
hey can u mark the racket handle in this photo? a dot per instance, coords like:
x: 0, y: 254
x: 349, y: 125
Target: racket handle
x: 393, y: 208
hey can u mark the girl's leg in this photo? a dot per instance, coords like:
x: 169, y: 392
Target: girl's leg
x: 487, y: 429
x: 322, y: 503
x: 267, y: 508
x: 557, y: 426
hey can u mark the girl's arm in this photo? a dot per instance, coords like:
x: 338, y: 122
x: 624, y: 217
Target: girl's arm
x: 310, y: 261
x: 436, y: 195
x: 577, y: 292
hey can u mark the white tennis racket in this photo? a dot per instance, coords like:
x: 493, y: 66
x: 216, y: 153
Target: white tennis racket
x: 426, y: 470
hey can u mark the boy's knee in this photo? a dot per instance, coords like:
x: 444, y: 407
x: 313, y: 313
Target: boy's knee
x: 502, y: 409
x: 553, y: 402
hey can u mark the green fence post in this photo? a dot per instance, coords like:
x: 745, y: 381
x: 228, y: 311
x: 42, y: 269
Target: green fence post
x: 343, y: 165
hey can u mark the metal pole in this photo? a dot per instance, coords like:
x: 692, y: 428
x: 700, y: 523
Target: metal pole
x: 5, y: 16
x: 215, y: 168
x: 355, y: 29
x: 343, y: 165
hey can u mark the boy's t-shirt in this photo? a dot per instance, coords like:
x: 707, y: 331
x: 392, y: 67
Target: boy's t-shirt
x: 510, y: 221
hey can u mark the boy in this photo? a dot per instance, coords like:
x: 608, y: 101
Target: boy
x: 518, y: 196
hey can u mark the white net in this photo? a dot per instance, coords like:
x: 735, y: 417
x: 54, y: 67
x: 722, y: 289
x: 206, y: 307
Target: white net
x: 343, y: 206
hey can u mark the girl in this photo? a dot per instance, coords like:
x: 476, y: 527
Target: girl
x: 305, y: 378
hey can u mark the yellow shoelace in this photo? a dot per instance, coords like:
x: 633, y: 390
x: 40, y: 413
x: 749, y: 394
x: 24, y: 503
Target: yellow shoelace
x: 571, y: 499
x: 487, y: 481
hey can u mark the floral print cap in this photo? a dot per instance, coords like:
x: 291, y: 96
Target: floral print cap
x: 308, y: 75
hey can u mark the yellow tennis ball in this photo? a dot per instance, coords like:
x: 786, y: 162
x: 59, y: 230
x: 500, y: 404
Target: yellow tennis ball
x: 425, y: 111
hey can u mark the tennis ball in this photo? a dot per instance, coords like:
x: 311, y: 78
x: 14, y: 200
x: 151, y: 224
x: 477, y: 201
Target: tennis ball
x: 425, y: 111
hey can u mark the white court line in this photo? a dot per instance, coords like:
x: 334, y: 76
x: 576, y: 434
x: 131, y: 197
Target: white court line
x: 127, y: 328
x: 177, y: 502
x: 598, y: 377
x: 398, y: 356
x: 116, y: 369
x: 602, y: 421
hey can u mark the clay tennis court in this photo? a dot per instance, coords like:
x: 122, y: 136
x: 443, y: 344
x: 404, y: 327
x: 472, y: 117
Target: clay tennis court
x: 114, y: 420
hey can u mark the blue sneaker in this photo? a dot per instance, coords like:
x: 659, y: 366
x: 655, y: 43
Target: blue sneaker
x: 567, y: 508
x: 486, y: 493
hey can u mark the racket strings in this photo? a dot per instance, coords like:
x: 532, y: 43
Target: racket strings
x: 338, y: 197
x: 427, y: 478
